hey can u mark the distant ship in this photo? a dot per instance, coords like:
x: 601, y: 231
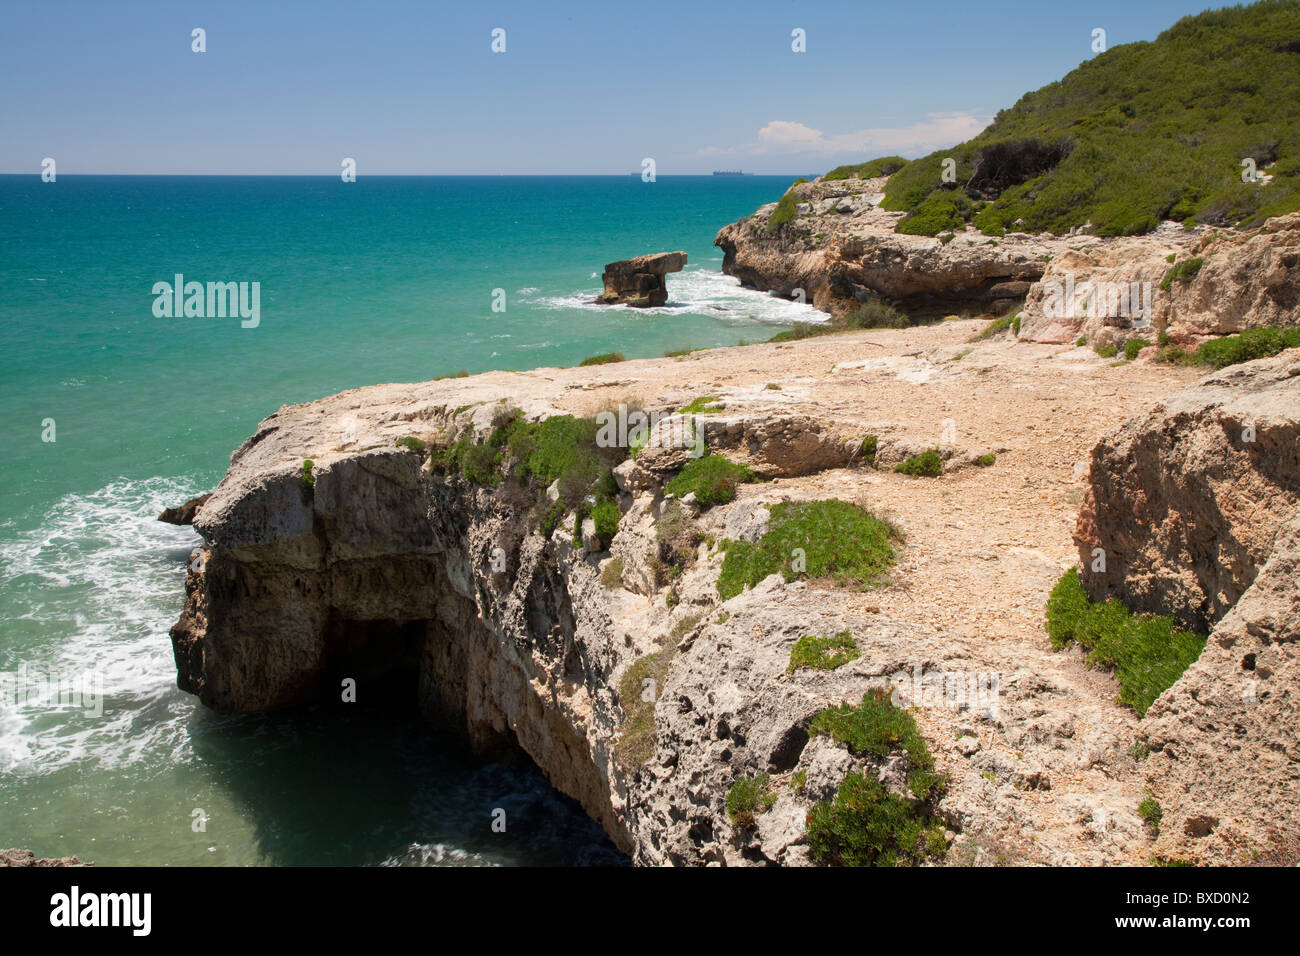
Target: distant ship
x: 730, y: 172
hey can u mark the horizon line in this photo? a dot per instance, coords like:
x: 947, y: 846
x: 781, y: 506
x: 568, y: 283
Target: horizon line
x: 37, y: 174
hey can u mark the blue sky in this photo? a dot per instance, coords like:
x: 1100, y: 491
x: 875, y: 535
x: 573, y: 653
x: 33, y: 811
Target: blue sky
x: 410, y: 87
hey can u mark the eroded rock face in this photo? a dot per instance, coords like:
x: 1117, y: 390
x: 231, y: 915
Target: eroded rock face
x: 640, y: 282
x: 1186, y: 501
x: 1197, y: 506
x: 1244, y: 280
x: 184, y: 514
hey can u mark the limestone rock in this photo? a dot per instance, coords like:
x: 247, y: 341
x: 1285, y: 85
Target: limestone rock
x: 184, y: 514
x: 640, y: 282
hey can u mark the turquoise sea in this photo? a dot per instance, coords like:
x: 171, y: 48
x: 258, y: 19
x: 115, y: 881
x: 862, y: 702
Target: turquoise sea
x: 381, y: 280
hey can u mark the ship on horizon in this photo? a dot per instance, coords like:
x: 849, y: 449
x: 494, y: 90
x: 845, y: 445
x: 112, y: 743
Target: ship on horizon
x: 730, y: 172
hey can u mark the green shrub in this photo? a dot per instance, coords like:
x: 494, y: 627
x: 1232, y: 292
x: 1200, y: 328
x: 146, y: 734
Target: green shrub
x: 713, y: 479
x: 748, y: 797
x: 985, y: 460
x: 1145, y: 651
x: 605, y: 515
x: 608, y: 358
x: 1000, y: 324
x: 1081, y: 341
x: 874, y: 726
x: 308, y: 479
x: 704, y: 405
x: 928, y: 464
x: 1015, y: 325
x: 1106, y: 351
x: 1182, y: 272
x: 611, y: 575
x: 1150, y: 811
x: 944, y: 210
x: 1247, y: 346
x: 873, y: 313
x: 866, y: 826
x: 823, y: 653
x: 884, y: 166
x: 1133, y: 346
x: 839, y: 541
x: 868, y: 449
x: 410, y: 443
x: 786, y: 208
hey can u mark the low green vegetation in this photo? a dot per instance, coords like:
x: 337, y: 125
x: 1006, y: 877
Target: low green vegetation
x: 638, y: 692
x: 997, y: 326
x: 1140, y: 133
x: 605, y: 515
x: 799, y: 781
x: 1081, y: 341
x: 1133, y: 347
x: 712, y: 478
x: 873, y: 313
x: 1139, y: 750
x: 1247, y: 346
x: 823, y: 653
x: 1106, y: 351
x: 704, y: 405
x: 818, y: 539
x: 611, y: 575
x: 1146, y: 653
x: 1151, y: 813
x: 884, y: 166
x: 786, y: 208
x: 410, y: 443
x: 528, y: 457
x: 867, y: 450
x: 607, y: 358
x: 928, y: 464
x: 986, y: 459
x: 747, y: 798
x: 1181, y: 272
x: 307, y: 478
x: 865, y: 825
x: 943, y: 210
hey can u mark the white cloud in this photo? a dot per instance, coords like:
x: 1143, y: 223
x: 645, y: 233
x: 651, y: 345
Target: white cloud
x: 786, y: 138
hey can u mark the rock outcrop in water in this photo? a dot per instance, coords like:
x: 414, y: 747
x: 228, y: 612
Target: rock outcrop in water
x: 1197, y: 507
x: 443, y: 591
x: 184, y: 514
x: 640, y: 282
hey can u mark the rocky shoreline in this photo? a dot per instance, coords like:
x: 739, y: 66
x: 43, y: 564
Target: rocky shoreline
x: 411, y: 581
x: 841, y: 250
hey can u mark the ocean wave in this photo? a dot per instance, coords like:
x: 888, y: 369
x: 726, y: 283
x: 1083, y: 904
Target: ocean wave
x: 701, y: 292
x: 89, y: 595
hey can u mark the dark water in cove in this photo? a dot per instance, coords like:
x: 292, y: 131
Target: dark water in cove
x: 380, y: 280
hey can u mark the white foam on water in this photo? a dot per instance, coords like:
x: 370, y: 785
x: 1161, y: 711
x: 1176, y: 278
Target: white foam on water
x: 89, y: 596
x: 701, y: 292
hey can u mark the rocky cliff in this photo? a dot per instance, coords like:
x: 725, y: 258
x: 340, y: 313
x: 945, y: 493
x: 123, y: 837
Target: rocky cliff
x: 1196, y: 506
x: 647, y: 696
x: 841, y: 249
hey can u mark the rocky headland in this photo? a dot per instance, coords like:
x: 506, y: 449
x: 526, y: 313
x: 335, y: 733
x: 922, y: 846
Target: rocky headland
x: 617, y: 665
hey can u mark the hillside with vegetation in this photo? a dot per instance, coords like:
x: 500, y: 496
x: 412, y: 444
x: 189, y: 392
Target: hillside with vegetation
x: 1141, y: 133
